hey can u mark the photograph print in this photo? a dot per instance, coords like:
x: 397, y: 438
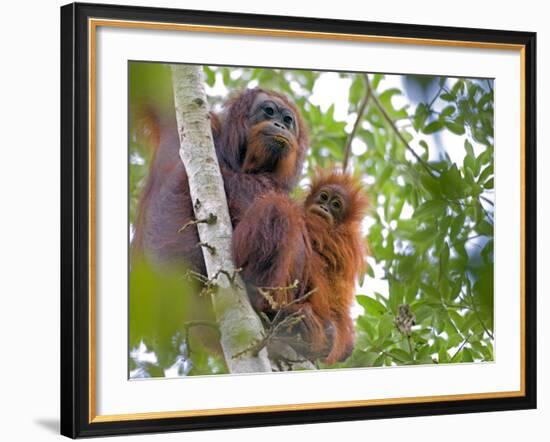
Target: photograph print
x: 361, y: 208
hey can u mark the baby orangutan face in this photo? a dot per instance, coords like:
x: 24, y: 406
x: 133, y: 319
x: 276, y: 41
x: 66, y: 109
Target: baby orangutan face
x: 330, y: 202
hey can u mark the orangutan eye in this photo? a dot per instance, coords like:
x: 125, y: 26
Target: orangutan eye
x: 288, y: 120
x: 336, y: 205
x: 323, y: 196
x: 269, y: 110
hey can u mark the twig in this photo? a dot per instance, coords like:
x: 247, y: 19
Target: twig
x: 266, y: 293
x: 210, y: 248
x: 191, y: 274
x: 411, y: 351
x: 441, y: 88
x: 476, y: 312
x: 465, y: 240
x: 277, y: 323
x: 208, y: 284
x: 284, y: 307
x: 358, y: 119
x: 230, y: 276
x: 210, y: 220
x: 289, y: 321
x: 487, y: 200
x: 460, y: 348
x: 301, y: 298
x: 274, y: 289
x: 385, y: 114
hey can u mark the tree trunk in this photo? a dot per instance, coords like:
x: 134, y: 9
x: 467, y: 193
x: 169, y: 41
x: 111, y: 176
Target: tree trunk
x: 239, y: 325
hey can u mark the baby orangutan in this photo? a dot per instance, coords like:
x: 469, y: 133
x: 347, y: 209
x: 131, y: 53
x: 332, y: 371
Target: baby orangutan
x: 333, y: 211
x: 325, y: 254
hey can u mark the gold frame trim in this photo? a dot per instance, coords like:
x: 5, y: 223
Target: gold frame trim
x: 93, y: 24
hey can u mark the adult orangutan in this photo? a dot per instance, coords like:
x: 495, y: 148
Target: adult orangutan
x: 321, y: 246
x: 260, y: 142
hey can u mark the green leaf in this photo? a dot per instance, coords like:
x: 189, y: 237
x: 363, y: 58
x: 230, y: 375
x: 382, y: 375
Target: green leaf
x: 423, y: 356
x: 385, y: 174
x: 467, y: 355
x: 357, y: 89
x: 458, y: 88
x: 469, y: 149
x: 485, y: 173
x: 376, y: 78
x: 396, y: 289
x: 371, y: 306
x: 385, y: 327
x: 457, y: 225
x: 362, y: 358
x: 451, y: 183
x: 366, y: 325
x: 420, y: 116
x: 444, y: 258
x: 379, y: 361
x: 430, y: 183
x: 484, y: 228
x: 423, y: 235
x: 431, y: 208
x: 422, y: 313
x: 210, y: 76
x: 385, y: 98
x: 448, y: 111
x: 433, y: 127
x: 486, y: 156
x: 487, y: 252
x: 455, y: 128
x: 400, y: 356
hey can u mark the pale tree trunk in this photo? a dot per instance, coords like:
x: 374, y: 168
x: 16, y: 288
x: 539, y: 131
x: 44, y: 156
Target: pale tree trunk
x: 239, y: 325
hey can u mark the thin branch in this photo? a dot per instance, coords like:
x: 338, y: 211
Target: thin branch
x: 441, y: 88
x: 476, y: 312
x: 360, y: 113
x: 465, y: 240
x: 210, y: 220
x: 277, y: 323
x: 411, y: 350
x: 232, y: 276
x: 190, y: 275
x: 487, y: 200
x: 460, y: 348
x: 290, y: 320
x: 478, y: 316
x: 266, y: 293
x: 283, y: 308
x: 385, y: 114
x: 207, y: 246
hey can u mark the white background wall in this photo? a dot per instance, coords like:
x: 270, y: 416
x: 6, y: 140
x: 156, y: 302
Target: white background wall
x: 29, y: 219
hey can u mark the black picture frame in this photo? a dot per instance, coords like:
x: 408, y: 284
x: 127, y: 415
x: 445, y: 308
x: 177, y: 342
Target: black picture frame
x: 75, y: 220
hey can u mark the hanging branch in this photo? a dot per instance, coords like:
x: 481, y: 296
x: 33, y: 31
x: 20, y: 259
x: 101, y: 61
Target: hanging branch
x: 396, y: 130
x: 358, y: 119
x: 238, y: 323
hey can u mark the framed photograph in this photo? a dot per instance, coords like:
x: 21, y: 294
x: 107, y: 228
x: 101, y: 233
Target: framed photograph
x: 276, y: 220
